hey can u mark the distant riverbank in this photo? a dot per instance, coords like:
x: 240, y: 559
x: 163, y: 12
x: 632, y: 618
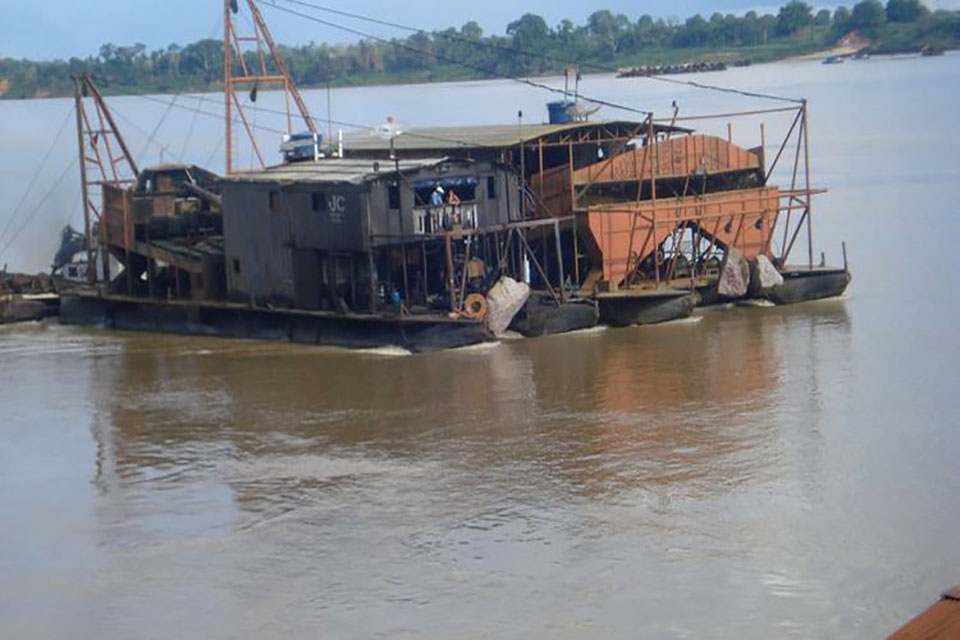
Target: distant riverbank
x: 452, y: 73
x: 530, y: 48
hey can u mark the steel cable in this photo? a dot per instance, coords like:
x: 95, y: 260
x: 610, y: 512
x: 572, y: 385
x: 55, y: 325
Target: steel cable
x: 36, y: 174
x: 514, y: 51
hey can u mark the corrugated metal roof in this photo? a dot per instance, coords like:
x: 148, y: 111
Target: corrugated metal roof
x: 453, y: 137
x: 488, y: 136
x: 338, y: 170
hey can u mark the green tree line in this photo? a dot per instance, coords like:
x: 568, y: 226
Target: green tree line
x: 530, y: 46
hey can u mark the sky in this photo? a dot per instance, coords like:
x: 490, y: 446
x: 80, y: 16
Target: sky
x: 64, y: 28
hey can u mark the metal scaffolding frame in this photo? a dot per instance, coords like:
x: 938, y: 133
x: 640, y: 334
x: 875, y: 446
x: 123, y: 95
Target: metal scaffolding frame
x: 105, y: 160
x: 267, y: 69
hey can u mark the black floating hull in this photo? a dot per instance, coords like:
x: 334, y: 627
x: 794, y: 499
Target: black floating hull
x: 708, y: 296
x: 16, y: 310
x: 626, y: 310
x: 806, y: 285
x: 542, y: 316
x: 422, y: 335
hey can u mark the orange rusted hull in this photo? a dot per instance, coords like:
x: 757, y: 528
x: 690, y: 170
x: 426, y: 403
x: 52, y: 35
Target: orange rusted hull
x: 674, y: 158
x: 627, y: 233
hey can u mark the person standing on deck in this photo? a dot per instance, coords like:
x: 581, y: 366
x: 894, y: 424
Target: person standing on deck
x: 436, y: 204
x: 453, y: 204
x: 436, y: 198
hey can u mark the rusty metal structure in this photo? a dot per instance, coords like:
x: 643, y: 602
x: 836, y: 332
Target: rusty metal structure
x: 645, y: 210
x: 252, y: 61
x: 620, y: 222
x: 664, y: 212
x: 159, y: 224
x: 105, y: 161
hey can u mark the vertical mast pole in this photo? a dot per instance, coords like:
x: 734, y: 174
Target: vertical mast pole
x: 654, y: 160
x: 560, y: 278
x: 523, y: 167
x: 329, y: 116
x: 806, y: 169
x: 403, y: 239
x: 227, y: 87
x: 84, y: 191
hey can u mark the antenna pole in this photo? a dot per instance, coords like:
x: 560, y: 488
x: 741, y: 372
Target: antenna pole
x: 329, y: 114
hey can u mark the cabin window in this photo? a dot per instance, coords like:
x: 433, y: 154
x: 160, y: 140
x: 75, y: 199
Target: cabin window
x: 236, y: 266
x: 317, y: 201
x: 275, y: 201
x: 393, y: 195
x: 491, y: 187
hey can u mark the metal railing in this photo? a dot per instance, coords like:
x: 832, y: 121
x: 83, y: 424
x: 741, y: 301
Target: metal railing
x: 434, y: 219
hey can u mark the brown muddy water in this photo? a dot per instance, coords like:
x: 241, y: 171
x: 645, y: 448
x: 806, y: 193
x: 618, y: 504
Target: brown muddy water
x: 752, y: 473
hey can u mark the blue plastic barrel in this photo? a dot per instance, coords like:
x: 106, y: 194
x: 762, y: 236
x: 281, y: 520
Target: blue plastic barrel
x: 560, y: 112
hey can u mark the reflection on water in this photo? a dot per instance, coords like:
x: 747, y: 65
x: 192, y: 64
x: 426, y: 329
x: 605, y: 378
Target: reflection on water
x: 757, y: 473
x: 658, y: 401
x: 372, y: 493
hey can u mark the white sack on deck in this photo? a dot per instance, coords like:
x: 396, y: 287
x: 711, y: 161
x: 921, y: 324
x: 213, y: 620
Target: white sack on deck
x: 767, y: 273
x: 505, y: 299
x: 734, y: 275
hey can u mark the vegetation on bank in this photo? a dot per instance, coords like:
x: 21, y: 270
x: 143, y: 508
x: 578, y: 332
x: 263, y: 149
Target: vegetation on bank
x: 529, y: 47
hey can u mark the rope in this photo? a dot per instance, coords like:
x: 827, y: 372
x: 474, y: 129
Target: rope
x: 139, y: 130
x: 36, y: 175
x: 217, y: 24
x: 341, y: 123
x: 156, y: 130
x: 193, y: 124
x: 215, y: 151
x: 487, y: 71
x: 36, y: 209
x: 542, y: 56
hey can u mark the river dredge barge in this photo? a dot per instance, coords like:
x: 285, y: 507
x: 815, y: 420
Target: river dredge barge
x: 340, y: 252
x: 438, y: 237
